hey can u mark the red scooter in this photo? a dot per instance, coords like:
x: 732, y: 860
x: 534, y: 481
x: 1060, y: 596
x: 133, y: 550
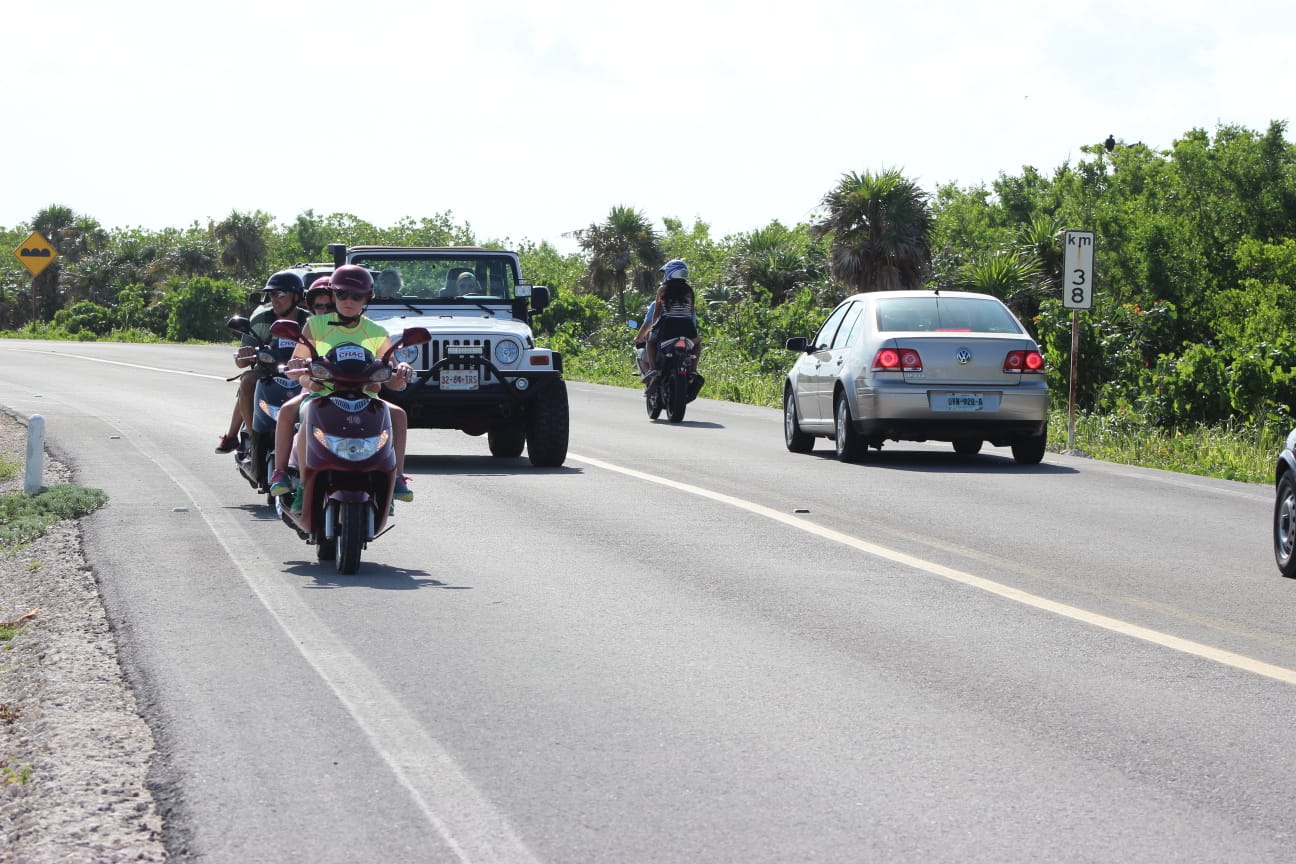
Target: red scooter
x: 346, y: 483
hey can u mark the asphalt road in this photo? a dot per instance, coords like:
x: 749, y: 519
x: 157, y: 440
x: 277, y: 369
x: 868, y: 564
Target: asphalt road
x: 685, y: 645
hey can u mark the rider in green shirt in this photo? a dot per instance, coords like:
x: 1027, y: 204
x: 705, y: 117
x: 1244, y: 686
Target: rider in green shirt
x: 352, y: 286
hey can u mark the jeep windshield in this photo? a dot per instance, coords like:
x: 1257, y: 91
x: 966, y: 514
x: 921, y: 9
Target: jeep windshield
x: 468, y: 277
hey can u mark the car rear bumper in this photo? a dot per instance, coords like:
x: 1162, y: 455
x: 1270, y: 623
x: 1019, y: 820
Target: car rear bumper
x: 907, y: 415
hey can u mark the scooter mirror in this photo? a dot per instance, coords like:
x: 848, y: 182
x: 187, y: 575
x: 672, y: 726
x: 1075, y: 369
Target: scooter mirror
x: 415, y: 336
x: 286, y: 328
x: 239, y: 324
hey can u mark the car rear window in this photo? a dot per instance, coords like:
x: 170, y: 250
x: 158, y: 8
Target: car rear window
x: 945, y: 314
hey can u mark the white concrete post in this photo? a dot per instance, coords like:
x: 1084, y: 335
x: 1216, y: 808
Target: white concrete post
x: 35, y: 454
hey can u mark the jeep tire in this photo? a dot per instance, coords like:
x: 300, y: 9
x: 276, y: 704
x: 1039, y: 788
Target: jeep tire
x: 548, y: 424
x: 506, y: 440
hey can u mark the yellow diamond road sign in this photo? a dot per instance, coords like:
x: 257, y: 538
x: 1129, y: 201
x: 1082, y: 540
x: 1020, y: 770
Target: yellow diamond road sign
x: 35, y: 253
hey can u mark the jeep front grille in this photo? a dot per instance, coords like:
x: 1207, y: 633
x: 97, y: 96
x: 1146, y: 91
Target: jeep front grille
x: 450, y: 348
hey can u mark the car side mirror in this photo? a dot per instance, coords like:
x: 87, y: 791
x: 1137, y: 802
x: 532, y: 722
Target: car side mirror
x: 797, y: 343
x: 539, y: 297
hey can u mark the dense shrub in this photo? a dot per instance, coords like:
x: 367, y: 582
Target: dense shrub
x: 199, y: 308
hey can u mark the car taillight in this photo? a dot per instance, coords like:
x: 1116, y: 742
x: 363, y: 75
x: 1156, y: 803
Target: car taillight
x: 897, y: 360
x: 1024, y: 361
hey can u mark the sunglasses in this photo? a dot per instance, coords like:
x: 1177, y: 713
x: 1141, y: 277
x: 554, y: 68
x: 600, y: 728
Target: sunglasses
x: 349, y: 295
x: 279, y: 293
x: 323, y: 308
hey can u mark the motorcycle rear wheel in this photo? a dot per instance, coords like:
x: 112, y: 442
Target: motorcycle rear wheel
x: 677, y: 393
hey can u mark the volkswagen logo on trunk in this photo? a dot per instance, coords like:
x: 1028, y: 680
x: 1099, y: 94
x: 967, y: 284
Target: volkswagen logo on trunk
x: 963, y: 356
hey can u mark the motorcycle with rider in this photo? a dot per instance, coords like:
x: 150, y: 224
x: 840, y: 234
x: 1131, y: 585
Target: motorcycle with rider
x: 335, y: 481
x: 262, y: 387
x: 671, y: 346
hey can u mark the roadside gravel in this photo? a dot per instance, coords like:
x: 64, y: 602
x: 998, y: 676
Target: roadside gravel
x: 68, y: 720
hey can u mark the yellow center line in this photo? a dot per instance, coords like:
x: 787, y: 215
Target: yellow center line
x: 1115, y: 625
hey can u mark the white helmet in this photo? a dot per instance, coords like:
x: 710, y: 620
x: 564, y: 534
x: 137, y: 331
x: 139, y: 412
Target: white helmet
x: 674, y: 269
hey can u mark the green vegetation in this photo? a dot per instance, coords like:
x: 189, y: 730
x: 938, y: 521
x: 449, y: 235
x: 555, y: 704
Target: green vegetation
x: 13, y: 773
x: 24, y: 517
x: 1187, y: 360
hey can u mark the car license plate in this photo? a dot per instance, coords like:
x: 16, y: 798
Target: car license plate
x: 964, y: 402
x: 458, y: 379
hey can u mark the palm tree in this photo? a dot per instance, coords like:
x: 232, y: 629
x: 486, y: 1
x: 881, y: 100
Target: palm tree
x: 244, y: 241
x: 54, y: 223
x: 623, y: 250
x: 1039, y: 243
x: 1007, y: 275
x: 879, y: 226
x: 777, y: 259
x: 192, y: 256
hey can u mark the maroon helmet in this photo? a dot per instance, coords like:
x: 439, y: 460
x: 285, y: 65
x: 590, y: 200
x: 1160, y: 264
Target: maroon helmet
x: 318, y: 287
x: 352, y: 277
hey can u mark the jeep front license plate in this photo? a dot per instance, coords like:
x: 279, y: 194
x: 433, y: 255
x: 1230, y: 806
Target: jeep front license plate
x: 458, y: 379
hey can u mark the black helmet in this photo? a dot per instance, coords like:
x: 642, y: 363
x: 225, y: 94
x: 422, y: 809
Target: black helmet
x: 285, y: 280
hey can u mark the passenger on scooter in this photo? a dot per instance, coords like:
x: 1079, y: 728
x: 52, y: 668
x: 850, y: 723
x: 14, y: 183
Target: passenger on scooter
x: 673, y: 315
x: 353, y: 287
x: 319, y: 298
x: 279, y: 299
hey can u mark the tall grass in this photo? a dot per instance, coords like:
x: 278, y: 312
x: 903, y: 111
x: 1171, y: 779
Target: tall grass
x: 1231, y: 451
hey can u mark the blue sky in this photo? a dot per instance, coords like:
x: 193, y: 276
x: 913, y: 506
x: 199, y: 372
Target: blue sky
x: 529, y: 120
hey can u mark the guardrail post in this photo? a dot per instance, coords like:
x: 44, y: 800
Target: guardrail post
x: 35, y: 454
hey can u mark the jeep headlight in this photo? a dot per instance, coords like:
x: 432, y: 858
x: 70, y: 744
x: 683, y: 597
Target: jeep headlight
x: 407, y: 354
x: 506, y: 352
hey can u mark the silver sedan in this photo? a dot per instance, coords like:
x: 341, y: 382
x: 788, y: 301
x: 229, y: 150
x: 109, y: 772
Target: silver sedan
x: 916, y: 366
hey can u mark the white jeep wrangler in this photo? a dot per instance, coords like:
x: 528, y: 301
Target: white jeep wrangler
x: 482, y: 372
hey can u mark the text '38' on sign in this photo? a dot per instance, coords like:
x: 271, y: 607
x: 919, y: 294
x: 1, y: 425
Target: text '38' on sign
x: 1077, y: 270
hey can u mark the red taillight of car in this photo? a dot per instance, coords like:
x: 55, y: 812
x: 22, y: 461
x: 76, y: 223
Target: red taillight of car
x: 897, y: 360
x: 1024, y: 361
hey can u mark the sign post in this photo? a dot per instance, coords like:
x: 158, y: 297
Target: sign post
x: 35, y: 253
x: 1077, y: 294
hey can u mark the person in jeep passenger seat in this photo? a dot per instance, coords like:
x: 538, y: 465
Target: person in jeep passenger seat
x: 353, y: 287
x: 389, y: 284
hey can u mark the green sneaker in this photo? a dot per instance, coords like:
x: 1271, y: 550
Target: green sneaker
x: 296, y: 504
x: 402, y: 492
x: 280, y: 484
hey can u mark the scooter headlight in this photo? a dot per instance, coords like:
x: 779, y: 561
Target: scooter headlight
x: 351, y: 449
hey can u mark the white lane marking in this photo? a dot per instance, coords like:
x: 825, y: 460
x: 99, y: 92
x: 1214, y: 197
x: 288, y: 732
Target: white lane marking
x: 467, y: 822
x: 1165, y: 640
x: 129, y: 365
